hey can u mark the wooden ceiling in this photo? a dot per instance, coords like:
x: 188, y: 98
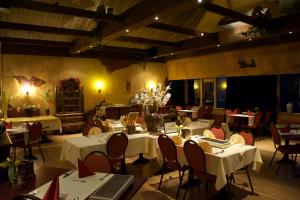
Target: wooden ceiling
x: 156, y: 30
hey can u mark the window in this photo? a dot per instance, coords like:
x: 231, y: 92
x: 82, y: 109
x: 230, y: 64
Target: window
x: 208, y: 92
x: 289, y: 92
x: 221, y: 92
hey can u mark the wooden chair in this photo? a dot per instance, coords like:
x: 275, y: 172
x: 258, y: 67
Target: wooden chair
x: 97, y: 161
x: 266, y: 123
x: 249, y: 140
x: 218, y: 132
x: 209, y: 112
x: 170, y: 161
x: 116, y: 147
x: 197, y: 164
x: 25, y: 197
x: 34, y: 138
x: 201, y: 112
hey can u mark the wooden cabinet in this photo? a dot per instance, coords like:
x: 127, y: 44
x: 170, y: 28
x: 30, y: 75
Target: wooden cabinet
x: 69, y: 96
x: 69, y: 105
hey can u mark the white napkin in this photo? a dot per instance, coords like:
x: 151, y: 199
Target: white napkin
x: 209, y: 134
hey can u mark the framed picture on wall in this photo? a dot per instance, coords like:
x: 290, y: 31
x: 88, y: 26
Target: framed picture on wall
x: 128, y: 86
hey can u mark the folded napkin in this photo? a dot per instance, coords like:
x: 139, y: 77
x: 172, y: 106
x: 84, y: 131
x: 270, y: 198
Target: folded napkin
x: 209, y: 134
x: 53, y: 190
x: 236, y: 139
x: 206, y: 147
x: 286, y: 128
x: 177, y: 140
x: 83, y: 170
x: 95, y: 131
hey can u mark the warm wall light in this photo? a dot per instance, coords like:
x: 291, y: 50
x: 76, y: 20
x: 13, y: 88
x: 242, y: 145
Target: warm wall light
x: 151, y: 85
x: 196, y: 86
x: 27, y: 89
x: 224, y: 85
x: 99, y: 86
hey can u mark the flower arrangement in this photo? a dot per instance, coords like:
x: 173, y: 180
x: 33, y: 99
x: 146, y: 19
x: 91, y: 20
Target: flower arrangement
x: 179, y: 125
x: 153, y: 97
x: 12, y: 166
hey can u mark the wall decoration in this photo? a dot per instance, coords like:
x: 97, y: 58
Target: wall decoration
x: 245, y: 64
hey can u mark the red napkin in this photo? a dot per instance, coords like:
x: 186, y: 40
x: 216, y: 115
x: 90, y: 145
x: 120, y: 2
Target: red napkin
x: 53, y: 191
x: 286, y: 128
x: 83, y: 170
x: 228, y: 112
x: 8, y: 125
x: 250, y: 113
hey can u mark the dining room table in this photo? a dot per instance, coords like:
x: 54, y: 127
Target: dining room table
x: 223, y: 162
x: 288, y: 135
x: 71, y: 187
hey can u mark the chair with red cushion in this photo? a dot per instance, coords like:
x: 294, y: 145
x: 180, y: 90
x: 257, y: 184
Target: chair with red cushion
x: 209, y: 112
x: 249, y: 140
x: 195, y: 157
x: 218, y: 132
x: 116, y: 148
x: 266, y: 122
x: 97, y: 161
x: 201, y: 112
x: 34, y: 138
x: 169, y: 153
x: 178, y: 108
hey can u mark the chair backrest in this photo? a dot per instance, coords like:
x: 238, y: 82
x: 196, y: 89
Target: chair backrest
x: 276, y: 137
x: 248, y: 137
x: 218, y: 132
x: 116, y: 145
x: 217, y: 124
x: 99, y: 124
x: 257, y: 119
x: 195, y: 156
x: 25, y: 197
x: 97, y: 161
x: 7, y: 124
x: 201, y: 112
x: 209, y: 112
x: 236, y: 111
x: 167, y: 148
x: 35, y: 131
x: 267, y: 117
x: 91, y: 129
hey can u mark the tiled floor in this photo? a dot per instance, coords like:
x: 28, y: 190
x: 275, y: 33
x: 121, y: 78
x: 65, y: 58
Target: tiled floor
x: 267, y: 184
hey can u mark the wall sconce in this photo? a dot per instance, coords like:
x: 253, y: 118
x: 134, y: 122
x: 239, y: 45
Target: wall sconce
x: 99, y: 86
x: 224, y: 85
x: 27, y: 88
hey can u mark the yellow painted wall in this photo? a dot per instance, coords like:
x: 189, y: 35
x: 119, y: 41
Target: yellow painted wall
x: 273, y: 59
x: 54, y: 69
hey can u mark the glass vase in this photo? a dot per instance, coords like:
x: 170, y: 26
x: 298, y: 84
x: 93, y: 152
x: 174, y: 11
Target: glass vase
x: 12, y: 174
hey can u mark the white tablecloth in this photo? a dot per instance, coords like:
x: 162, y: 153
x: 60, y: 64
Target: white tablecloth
x: 49, y: 123
x: 250, y: 118
x: 80, y: 147
x: 71, y: 186
x: 232, y: 159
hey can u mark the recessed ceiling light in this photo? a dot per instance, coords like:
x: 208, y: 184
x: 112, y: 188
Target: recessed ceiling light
x: 154, y: 57
x: 199, y: 1
x: 218, y: 45
x: 172, y: 54
x: 290, y: 32
x: 202, y: 34
x: 91, y: 46
x: 127, y: 30
x: 250, y: 39
x: 156, y: 18
x: 78, y: 51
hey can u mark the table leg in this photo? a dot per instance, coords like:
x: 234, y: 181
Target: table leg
x: 285, y: 159
x: 141, y: 160
x: 30, y: 156
x: 44, y: 138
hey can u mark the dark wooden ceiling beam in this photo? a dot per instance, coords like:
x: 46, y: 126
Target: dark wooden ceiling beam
x: 235, y: 46
x: 136, y: 17
x: 150, y: 42
x: 44, y: 29
x: 64, y: 10
x: 122, y: 49
x: 9, y: 40
x: 230, y: 13
x: 176, y: 29
x: 190, y: 45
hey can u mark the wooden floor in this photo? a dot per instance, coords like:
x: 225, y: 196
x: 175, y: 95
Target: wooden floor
x: 267, y: 185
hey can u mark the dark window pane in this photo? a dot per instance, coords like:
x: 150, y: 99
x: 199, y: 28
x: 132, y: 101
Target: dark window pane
x: 289, y: 92
x: 208, y: 92
x: 221, y: 92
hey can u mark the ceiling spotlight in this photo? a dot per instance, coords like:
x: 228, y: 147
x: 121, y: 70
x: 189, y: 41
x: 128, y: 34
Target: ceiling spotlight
x: 172, y: 54
x: 154, y: 57
x: 127, y: 30
x: 91, y: 46
x: 199, y: 1
x: 156, y: 18
x: 250, y: 39
x: 290, y: 32
x: 218, y: 45
x: 78, y: 51
x: 202, y: 34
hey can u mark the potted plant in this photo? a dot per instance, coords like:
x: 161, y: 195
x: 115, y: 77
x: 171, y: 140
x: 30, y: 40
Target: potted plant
x: 12, y: 170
